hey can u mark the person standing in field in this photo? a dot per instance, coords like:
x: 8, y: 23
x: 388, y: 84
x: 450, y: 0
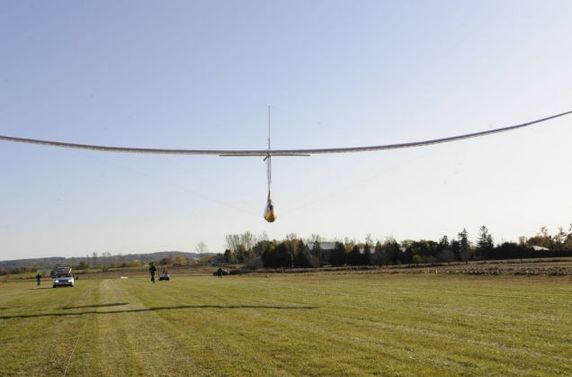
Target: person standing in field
x: 152, y: 270
x: 38, y: 278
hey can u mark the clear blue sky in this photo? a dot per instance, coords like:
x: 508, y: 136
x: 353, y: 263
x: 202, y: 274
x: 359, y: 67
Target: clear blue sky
x: 200, y: 74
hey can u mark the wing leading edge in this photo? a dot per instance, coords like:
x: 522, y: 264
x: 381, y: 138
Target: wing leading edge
x: 274, y: 152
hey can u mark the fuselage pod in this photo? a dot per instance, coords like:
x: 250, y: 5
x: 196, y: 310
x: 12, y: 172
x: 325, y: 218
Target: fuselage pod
x: 270, y: 212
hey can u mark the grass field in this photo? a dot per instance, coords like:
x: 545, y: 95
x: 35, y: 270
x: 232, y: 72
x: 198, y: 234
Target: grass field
x: 280, y: 325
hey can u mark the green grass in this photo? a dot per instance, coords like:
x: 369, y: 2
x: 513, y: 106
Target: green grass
x: 280, y: 325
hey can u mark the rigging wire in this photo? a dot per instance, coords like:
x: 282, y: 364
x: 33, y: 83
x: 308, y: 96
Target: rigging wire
x: 269, y: 211
x: 277, y: 152
x: 268, y: 158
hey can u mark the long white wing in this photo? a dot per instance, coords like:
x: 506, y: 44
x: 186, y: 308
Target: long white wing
x: 274, y: 152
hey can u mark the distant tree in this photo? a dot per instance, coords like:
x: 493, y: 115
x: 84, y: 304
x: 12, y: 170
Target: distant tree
x: 368, y: 239
x: 229, y: 256
x: 291, y: 237
x: 542, y: 239
x: 261, y: 246
x: 338, y: 257
x: 285, y: 257
x: 349, y: 243
x: 485, y: 243
x: 269, y: 254
x: 464, y: 245
x: 444, y: 243
x: 446, y: 256
x: 263, y: 237
x: 314, y: 237
x: 378, y: 254
x: 180, y: 260
x: 427, y: 249
x: 446, y: 253
x: 304, y: 258
x: 133, y: 263
x: 406, y: 257
x: 241, y: 253
x: 232, y: 241
x: 241, y: 245
x: 511, y: 250
x: 248, y: 240
x: 255, y: 262
x: 559, y: 239
x: 317, y: 252
x: 456, y: 250
x: 405, y: 244
x: 354, y: 256
x: 366, y: 257
x: 490, y: 242
x: 285, y: 254
x: 568, y: 242
x: 392, y: 251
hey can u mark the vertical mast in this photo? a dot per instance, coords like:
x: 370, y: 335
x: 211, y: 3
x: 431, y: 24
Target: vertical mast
x: 269, y: 157
x: 269, y: 212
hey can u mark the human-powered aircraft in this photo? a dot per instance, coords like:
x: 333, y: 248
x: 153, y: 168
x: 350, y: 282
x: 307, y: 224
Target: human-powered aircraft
x: 270, y: 213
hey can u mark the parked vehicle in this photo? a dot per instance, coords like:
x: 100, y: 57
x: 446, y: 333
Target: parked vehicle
x: 62, y: 277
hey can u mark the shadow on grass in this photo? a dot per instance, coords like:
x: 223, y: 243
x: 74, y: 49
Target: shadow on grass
x: 159, y: 308
x: 95, y: 306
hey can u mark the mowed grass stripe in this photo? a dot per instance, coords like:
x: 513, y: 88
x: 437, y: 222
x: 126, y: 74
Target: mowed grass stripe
x: 315, y: 324
x: 39, y: 345
x: 127, y: 343
x: 214, y: 325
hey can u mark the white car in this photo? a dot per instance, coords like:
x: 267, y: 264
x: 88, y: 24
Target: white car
x: 63, y: 278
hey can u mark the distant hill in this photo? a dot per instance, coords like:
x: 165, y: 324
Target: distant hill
x: 50, y: 262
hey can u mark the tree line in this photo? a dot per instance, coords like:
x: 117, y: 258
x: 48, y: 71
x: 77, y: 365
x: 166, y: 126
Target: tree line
x: 295, y: 252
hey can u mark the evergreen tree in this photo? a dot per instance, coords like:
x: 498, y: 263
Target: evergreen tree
x: 456, y: 250
x: 366, y: 257
x: 444, y: 243
x: 464, y: 245
x: 485, y: 243
x: 354, y: 256
x: 378, y: 254
x: 317, y: 252
x: 339, y: 254
x: 393, y: 251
